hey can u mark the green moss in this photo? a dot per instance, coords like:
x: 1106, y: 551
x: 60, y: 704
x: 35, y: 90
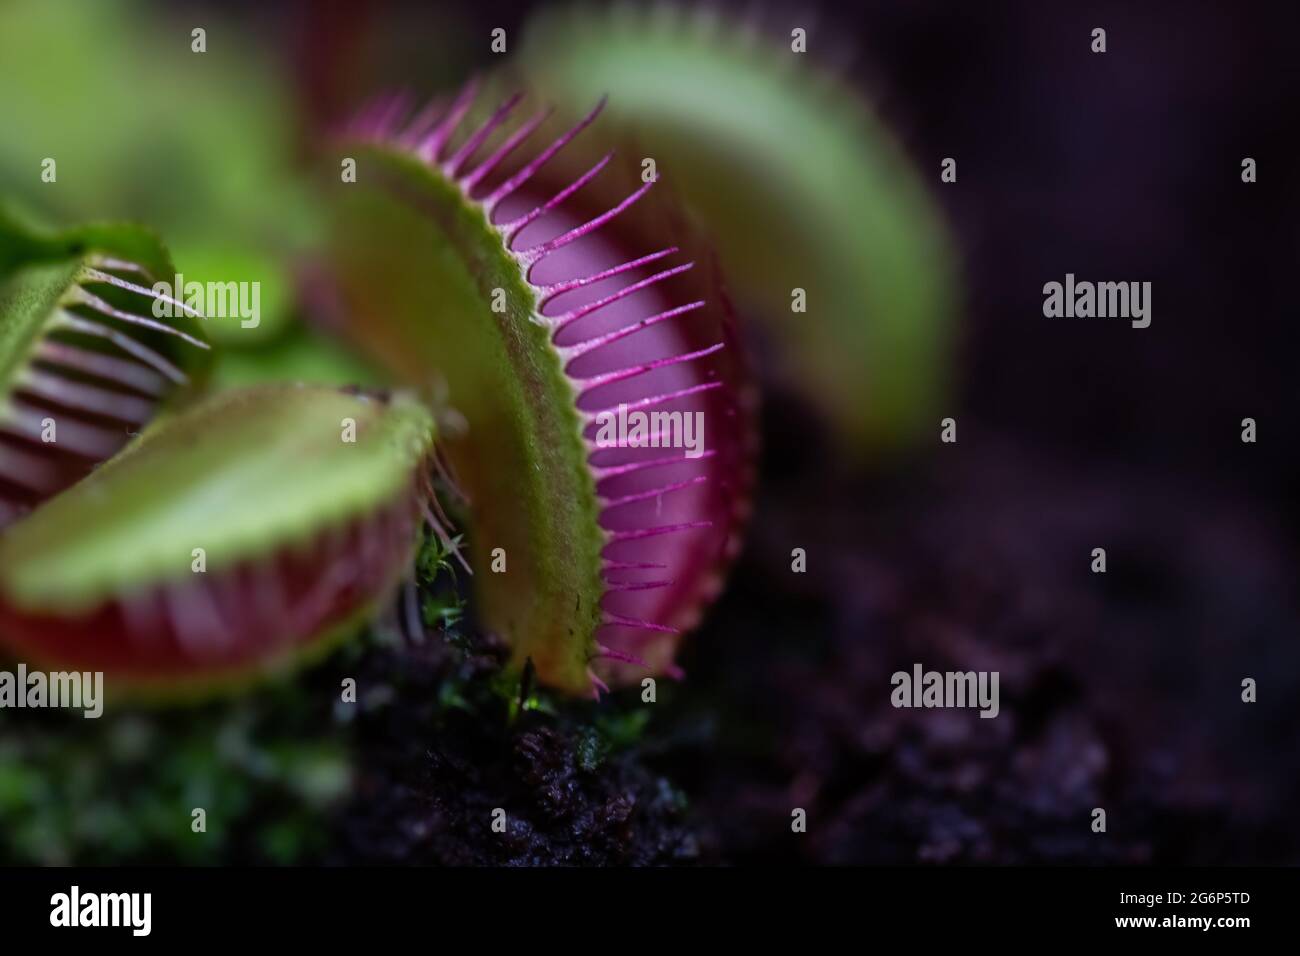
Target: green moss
x: 267, y: 772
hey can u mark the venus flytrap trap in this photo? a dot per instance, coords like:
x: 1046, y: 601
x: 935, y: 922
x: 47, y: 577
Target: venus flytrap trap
x: 83, y: 362
x: 822, y: 226
x: 470, y: 248
x: 238, y: 535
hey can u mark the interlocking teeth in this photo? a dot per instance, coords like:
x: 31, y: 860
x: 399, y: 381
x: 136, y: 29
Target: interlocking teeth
x: 89, y: 385
x: 592, y: 337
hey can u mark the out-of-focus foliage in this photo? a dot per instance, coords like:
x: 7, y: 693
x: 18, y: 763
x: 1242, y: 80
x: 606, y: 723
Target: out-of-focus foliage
x: 196, y: 145
x: 123, y: 788
x: 802, y: 187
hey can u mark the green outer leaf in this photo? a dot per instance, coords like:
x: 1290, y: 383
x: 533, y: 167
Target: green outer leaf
x: 19, y: 243
x: 418, y: 263
x: 240, y: 475
x: 27, y: 300
x: 22, y: 242
x: 801, y: 186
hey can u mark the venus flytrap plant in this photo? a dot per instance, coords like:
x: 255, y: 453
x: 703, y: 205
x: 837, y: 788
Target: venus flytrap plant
x: 238, y: 535
x: 825, y: 230
x: 83, y: 362
x: 463, y: 251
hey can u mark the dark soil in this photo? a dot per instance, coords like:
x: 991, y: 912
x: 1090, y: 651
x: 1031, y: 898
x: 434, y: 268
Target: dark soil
x: 1119, y: 691
x: 435, y: 771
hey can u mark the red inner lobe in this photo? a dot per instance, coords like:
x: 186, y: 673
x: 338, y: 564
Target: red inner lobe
x: 670, y: 506
x: 230, y: 621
